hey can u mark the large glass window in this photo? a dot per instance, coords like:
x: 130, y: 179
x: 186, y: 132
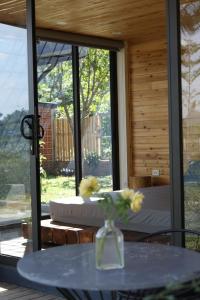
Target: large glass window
x: 56, y: 110
x: 190, y: 63
x: 57, y: 104
x: 94, y: 73
x: 15, y: 199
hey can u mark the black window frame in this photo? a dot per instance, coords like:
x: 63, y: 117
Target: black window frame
x: 175, y: 119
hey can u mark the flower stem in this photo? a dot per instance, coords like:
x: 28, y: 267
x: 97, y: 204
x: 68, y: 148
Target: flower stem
x: 100, y: 242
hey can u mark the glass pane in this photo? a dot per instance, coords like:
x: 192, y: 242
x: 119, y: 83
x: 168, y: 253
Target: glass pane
x: 96, y: 115
x: 15, y: 199
x: 190, y: 50
x: 55, y: 106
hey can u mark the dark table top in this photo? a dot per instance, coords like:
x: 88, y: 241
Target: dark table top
x: 146, y: 266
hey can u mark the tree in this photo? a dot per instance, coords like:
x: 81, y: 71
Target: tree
x: 190, y: 16
x: 190, y: 72
x: 190, y: 48
x: 57, y: 84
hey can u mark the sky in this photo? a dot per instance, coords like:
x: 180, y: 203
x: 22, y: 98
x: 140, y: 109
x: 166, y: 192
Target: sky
x: 13, y: 69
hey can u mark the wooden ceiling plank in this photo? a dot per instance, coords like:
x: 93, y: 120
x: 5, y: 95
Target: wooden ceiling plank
x: 113, y: 19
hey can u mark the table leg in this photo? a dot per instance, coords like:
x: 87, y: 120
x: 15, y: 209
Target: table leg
x: 67, y: 294
x: 86, y: 295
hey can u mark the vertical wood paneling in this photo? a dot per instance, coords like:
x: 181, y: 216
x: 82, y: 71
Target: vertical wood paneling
x: 148, y: 110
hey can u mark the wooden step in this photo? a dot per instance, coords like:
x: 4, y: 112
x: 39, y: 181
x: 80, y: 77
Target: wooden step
x: 59, y: 233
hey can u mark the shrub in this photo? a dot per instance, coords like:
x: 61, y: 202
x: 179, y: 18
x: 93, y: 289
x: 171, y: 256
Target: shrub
x: 92, y: 159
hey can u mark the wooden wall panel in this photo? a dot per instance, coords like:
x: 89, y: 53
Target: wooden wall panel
x: 148, y: 110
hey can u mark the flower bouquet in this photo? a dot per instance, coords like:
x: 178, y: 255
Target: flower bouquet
x: 109, y: 239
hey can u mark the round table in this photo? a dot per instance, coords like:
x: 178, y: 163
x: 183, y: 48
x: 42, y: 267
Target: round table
x: 72, y: 268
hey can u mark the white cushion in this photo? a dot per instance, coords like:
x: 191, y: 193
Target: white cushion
x: 155, y: 214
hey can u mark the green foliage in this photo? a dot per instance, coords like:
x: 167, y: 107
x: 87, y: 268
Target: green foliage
x: 115, y: 208
x: 4, y: 189
x: 192, y: 196
x: 11, y: 139
x: 54, y: 187
x: 192, y: 243
x: 175, y: 291
x: 192, y: 204
x: 122, y: 206
x: 42, y: 158
x: 92, y: 159
x: 106, y: 149
x: 105, y: 124
x: 94, y: 81
x: 27, y: 220
x: 106, y: 143
x: 15, y: 168
x: 108, y: 206
x: 190, y: 73
x: 57, y: 84
x: 14, y: 152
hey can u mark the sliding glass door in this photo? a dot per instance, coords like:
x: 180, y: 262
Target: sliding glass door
x: 17, y: 123
x: 184, y: 92
x: 56, y: 110
x: 95, y: 111
x: 15, y: 198
x: 74, y: 104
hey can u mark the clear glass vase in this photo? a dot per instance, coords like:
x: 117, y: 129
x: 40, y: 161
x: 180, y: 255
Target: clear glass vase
x: 109, y: 247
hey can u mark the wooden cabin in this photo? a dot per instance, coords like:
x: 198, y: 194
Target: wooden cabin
x: 142, y: 72
x: 145, y: 37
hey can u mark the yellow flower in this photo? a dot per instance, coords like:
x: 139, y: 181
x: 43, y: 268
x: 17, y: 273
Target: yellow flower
x: 127, y: 194
x: 88, y: 186
x: 136, y: 202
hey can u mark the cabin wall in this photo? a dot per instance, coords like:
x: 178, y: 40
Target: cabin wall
x: 148, y: 144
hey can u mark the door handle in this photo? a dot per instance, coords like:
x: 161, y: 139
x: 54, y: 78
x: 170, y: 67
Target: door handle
x: 27, y: 120
x: 30, y: 122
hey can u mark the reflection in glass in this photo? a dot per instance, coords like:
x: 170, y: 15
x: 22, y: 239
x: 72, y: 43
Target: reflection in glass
x: 15, y: 200
x: 190, y: 54
x: 94, y: 72
x: 55, y: 107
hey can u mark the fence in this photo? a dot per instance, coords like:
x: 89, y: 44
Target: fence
x: 63, y: 138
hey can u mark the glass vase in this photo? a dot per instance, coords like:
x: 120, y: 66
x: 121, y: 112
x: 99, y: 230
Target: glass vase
x: 109, y: 247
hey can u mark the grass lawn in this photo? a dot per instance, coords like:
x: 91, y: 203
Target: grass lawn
x: 54, y: 187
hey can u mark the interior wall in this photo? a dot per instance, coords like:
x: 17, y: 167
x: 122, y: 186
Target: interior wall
x: 148, y: 145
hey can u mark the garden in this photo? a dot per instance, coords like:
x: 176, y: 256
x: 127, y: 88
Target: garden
x: 54, y: 187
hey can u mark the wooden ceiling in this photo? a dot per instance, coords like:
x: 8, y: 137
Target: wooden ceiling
x: 116, y: 19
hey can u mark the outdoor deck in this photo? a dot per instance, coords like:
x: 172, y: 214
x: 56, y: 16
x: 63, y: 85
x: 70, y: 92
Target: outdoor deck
x: 12, y: 292
x: 15, y: 247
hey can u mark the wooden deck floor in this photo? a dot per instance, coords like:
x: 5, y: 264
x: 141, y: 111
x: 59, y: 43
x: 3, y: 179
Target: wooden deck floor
x: 14, y: 292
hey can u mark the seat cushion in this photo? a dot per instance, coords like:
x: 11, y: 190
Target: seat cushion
x: 155, y: 214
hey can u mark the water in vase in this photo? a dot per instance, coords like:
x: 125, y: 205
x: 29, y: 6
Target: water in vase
x: 109, y: 247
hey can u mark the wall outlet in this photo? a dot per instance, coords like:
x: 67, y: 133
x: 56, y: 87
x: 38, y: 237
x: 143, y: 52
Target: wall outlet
x: 155, y: 172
